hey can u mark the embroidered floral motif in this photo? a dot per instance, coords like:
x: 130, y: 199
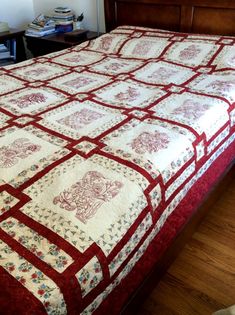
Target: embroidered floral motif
x: 19, y: 149
x: 115, y: 66
x: 150, y: 142
x: 105, y: 42
x: 36, y: 72
x: 142, y: 48
x: 162, y: 74
x: 191, y: 109
x: 88, y: 195
x: 232, y: 59
x: 190, y: 52
x: 30, y: 99
x: 75, y: 59
x: 79, y: 82
x: 130, y: 95
x: 222, y: 86
x: 79, y: 119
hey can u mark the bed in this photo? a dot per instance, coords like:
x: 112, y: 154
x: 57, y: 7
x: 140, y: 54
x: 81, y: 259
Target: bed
x: 107, y: 149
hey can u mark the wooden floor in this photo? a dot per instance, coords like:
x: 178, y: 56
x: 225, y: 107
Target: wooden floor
x: 202, y: 278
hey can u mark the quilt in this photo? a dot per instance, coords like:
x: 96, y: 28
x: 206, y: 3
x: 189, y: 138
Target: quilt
x: 104, y: 150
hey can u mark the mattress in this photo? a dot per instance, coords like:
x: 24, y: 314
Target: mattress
x: 106, y: 150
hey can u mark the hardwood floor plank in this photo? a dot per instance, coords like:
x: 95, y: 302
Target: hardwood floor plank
x: 206, y: 264
x: 182, y: 298
x: 213, y: 232
x: 211, y: 256
x: 157, y: 307
x: 198, y: 277
x: 220, y: 249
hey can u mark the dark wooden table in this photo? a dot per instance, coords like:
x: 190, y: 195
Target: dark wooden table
x: 44, y: 45
x: 15, y: 37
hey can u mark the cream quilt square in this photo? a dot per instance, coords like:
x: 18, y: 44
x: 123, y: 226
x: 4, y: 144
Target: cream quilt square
x: 32, y: 100
x: 39, y: 71
x: 129, y: 94
x: 144, y: 47
x: 74, y: 83
x: 203, y: 113
x: 163, y: 73
x: 191, y: 53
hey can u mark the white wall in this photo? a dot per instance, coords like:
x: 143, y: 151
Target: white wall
x: 88, y: 7
x: 18, y: 13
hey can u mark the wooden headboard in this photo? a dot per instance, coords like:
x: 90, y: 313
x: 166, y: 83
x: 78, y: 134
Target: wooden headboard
x: 196, y: 16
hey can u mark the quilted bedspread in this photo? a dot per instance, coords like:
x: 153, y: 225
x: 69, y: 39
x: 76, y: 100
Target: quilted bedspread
x: 100, y: 144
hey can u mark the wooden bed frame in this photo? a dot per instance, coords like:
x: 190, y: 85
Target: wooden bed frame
x: 216, y: 17
x: 195, y: 16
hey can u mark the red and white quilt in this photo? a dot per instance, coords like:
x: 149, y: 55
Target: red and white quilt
x: 101, y: 146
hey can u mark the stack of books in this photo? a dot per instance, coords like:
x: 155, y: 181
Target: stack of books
x: 5, y: 55
x: 63, y: 17
x: 41, y: 26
